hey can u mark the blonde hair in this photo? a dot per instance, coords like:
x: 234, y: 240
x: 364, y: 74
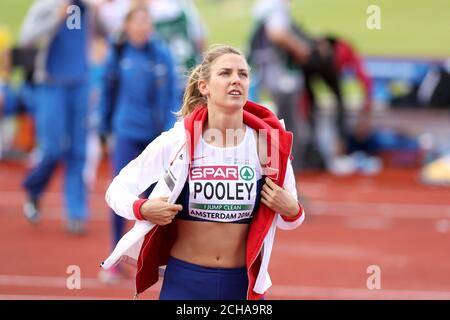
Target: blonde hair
x: 192, y: 97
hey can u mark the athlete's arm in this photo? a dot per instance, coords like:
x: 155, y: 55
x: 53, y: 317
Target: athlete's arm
x: 290, y: 185
x: 136, y: 177
x: 279, y: 199
x: 159, y: 211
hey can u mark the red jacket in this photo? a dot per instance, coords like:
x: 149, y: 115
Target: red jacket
x: 345, y: 56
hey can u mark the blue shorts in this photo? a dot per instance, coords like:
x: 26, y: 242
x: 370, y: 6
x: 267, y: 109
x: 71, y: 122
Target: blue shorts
x: 187, y: 281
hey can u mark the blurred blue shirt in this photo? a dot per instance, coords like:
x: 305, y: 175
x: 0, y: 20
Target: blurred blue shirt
x: 146, y: 93
x: 67, y: 59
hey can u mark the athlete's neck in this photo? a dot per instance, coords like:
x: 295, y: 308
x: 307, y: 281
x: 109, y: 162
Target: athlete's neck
x: 224, y: 129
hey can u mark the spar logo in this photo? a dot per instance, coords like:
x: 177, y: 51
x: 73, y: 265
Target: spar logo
x: 246, y: 173
x: 214, y: 173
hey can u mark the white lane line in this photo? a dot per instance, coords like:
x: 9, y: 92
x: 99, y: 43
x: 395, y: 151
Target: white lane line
x: 352, y: 293
x: 368, y: 222
x: 382, y: 209
x: 60, y: 282
x: 57, y: 282
x: 318, y: 190
x: 341, y: 252
x: 294, y: 292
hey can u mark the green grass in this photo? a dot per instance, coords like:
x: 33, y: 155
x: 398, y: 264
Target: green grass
x: 12, y: 13
x: 411, y: 28
x: 417, y: 27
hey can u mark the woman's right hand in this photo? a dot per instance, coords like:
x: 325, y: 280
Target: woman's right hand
x: 159, y: 211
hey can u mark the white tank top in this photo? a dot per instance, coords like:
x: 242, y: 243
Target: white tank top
x: 224, y: 184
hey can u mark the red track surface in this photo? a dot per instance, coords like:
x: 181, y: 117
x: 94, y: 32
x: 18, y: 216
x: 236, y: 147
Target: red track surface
x: 390, y: 221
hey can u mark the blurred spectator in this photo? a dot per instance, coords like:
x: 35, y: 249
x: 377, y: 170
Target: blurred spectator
x: 95, y: 152
x: 177, y: 23
x: 138, y: 94
x: 278, y: 41
x: 369, y: 148
x: 180, y: 25
x: 8, y: 99
x: 339, y: 57
x: 346, y: 59
x: 366, y: 139
x: 61, y: 104
x: 275, y: 50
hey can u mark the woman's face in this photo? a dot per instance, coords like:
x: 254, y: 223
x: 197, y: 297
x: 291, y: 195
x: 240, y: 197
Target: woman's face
x: 228, y: 83
x: 139, y: 28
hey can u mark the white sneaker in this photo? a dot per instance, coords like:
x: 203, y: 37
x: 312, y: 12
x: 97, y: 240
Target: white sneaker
x: 342, y: 166
x: 31, y: 212
x: 75, y: 226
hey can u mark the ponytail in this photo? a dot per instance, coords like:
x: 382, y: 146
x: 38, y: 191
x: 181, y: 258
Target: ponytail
x: 192, y: 96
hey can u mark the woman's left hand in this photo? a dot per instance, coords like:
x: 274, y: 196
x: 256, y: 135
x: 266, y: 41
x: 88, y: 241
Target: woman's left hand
x: 278, y: 199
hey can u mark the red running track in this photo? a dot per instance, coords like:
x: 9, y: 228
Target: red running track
x: 390, y: 221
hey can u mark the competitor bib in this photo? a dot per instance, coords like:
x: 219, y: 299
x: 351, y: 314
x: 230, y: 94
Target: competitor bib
x: 223, y: 184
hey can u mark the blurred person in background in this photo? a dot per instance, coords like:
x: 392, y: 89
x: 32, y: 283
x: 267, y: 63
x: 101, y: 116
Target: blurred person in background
x: 177, y: 22
x: 61, y: 103
x: 180, y: 25
x: 272, y: 46
x: 339, y: 58
x: 278, y: 41
x: 137, y: 98
x: 96, y: 151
